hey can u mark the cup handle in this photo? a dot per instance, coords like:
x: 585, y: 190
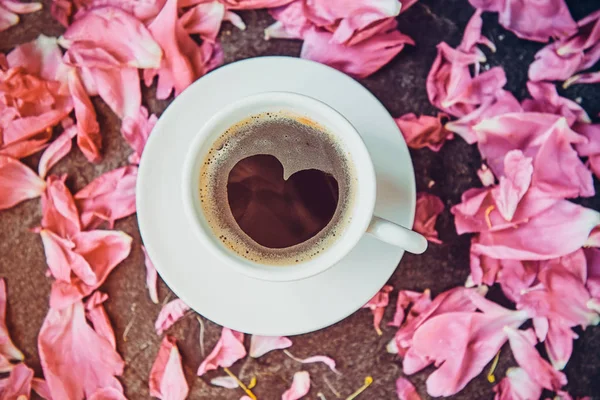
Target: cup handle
x: 397, y: 235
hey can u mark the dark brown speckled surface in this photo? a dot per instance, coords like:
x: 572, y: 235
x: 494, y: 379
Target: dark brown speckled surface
x: 353, y: 343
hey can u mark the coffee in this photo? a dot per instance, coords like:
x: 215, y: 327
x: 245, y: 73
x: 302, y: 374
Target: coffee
x: 276, y: 188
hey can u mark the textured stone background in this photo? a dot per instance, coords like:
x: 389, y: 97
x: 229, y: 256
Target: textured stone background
x: 353, y: 343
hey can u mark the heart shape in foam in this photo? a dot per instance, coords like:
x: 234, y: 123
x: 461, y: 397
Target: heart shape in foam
x: 278, y: 213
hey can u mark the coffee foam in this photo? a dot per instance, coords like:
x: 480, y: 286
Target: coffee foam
x: 299, y: 144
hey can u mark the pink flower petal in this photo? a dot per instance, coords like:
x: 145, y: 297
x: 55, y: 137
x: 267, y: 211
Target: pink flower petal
x: 547, y: 100
x: 429, y: 207
x: 574, y: 222
x: 119, y: 88
x: 128, y: 40
x: 109, y: 197
x: 95, y: 313
x: 330, y: 362
x: 226, y: 352
x: 377, y: 306
x: 62, y: 260
x: 261, y: 345
x: 136, y: 132
x: 359, y: 60
x: 486, y: 176
x: 17, y: 183
x: 21, y: 8
x: 8, y: 351
x: 41, y: 388
x: 151, y: 277
x: 503, y: 103
x: 167, y: 380
x: 590, y: 77
x: 88, y: 130
x: 406, y: 298
x: 513, y: 184
x: 66, y: 343
x: 227, y: 382
x: 516, y: 276
x: 522, y: 344
x: 451, y: 339
x: 204, y: 19
x: 58, y: 149
x: 7, y: 19
x: 103, y: 250
x: 300, y: 387
x: 406, y: 390
x: 593, y: 272
x: 347, y: 19
x: 18, y: 384
x: 531, y: 21
x: 517, y: 385
x: 291, y: 22
x: 254, y: 4
x: 472, y: 35
x: 172, y: 312
x: 559, y: 344
x: 108, y: 394
x: 59, y: 213
x: 591, y: 148
x: 41, y: 57
x: 424, y: 131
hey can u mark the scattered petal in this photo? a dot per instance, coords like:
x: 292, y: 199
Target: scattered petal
x: 377, y: 306
x: 95, y: 313
x: 57, y: 150
x: 108, y: 393
x: 291, y: 23
x: 167, y: 380
x: 88, y: 130
x: 559, y: 344
x: 517, y: 385
x: 226, y: 382
x: 314, y: 359
x: 406, y: 390
x: 547, y: 100
x: 18, y: 384
x: 406, y: 298
x: 261, y: 345
x: 59, y: 213
x: 151, y: 277
x: 514, y: 183
x: 429, y: 207
x: 424, y: 131
x: 17, y: 183
x: 172, y: 312
x: 300, y: 387
x: 227, y: 351
x: 136, y: 132
x: 8, y: 351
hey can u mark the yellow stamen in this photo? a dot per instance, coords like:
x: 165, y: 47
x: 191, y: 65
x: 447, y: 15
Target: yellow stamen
x: 252, y: 383
x: 378, y: 330
x: 571, y: 81
x: 488, y: 211
x: 244, y: 387
x: 490, y: 376
x: 368, y: 382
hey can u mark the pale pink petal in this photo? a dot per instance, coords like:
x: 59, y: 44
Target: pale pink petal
x: 103, y: 250
x: 88, y: 130
x: 109, y: 197
x: 359, y: 60
x: 41, y: 57
x: 21, y: 8
x: 572, y: 221
x: 204, y: 19
x: 172, y: 312
x: 95, y: 313
x: 227, y: 382
x: 261, y: 345
x: 136, y: 132
x: 347, y: 19
x: 550, y: 65
x: 472, y: 35
x: 330, y: 362
x: 517, y: 385
x: 417, y: 302
x: 128, y: 40
x: 17, y: 183
x: 8, y: 351
x: 25, y: 148
x: 120, y: 89
x: 486, y: 176
x: 406, y: 390
x: 300, y: 387
x: 503, y: 103
x: 429, y: 207
x: 66, y: 343
x: 59, y: 213
x: 58, y: 149
x: 531, y: 20
x: 41, y: 388
x: 291, y: 22
x: 547, y: 100
x: 476, y: 90
x: 151, y: 277
x: 522, y: 344
x: 167, y: 380
x: 515, y: 276
x: 108, y: 394
x: 559, y: 344
x: 377, y: 305
x: 226, y: 352
x: 7, y: 19
x: 591, y: 148
x: 62, y: 260
x: 254, y: 4
x: 424, y: 131
x: 513, y: 184
x: 462, y: 344
x: 18, y: 384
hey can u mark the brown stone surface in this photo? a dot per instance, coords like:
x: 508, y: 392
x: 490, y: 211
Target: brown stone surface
x: 353, y: 343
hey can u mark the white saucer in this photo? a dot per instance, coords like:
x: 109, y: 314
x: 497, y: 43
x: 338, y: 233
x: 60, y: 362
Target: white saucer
x: 216, y: 291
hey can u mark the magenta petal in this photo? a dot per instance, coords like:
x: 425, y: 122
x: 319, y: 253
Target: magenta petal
x: 429, y: 207
x: 167, y: 380
x: 547, y: 100
x: 517, y: 385
x: 151, y: 277
x: 300, y: 387
x: 261, y: 345
x: 66, y: 343
x: 514, y: 184
x: 522, y: 344
x: 226, y: 352
x: 406, y: 390
x: 109, y: 197
x: 17, y: 183
x: 172, y: 312
x: 8, y: 351
x: 559, y: 344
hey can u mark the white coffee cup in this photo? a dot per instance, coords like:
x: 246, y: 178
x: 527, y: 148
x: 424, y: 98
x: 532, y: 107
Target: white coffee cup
x: 363, y: 220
